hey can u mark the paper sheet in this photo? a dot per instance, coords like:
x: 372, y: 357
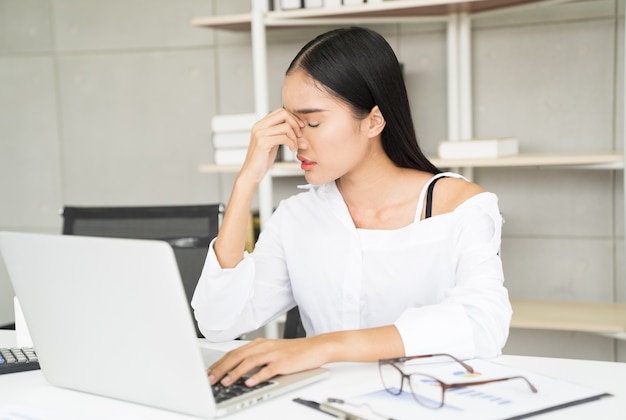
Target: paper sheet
x: 511, y: 399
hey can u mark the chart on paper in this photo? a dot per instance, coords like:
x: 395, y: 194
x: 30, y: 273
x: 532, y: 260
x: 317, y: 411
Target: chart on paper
x: 497, y: 400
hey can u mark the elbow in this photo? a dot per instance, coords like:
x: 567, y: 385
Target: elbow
x: 491, y: 330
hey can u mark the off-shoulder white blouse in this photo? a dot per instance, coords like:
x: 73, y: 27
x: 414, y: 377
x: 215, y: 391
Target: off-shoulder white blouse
x: 438, y: 280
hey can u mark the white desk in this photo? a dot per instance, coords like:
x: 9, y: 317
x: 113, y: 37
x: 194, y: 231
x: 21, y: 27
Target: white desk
x: 30, y: 390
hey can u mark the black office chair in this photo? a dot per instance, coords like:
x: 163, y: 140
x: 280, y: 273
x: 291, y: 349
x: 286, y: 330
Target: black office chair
x: 188, y: 229
x: 293, y: 324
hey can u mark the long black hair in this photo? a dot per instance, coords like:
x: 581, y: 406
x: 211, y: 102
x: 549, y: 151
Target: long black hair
x: 359, y: 67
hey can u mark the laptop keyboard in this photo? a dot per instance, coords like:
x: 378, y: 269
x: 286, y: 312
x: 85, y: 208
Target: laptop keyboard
x: 25, y: 358
x: 222, y: 393
x: 18, y: 360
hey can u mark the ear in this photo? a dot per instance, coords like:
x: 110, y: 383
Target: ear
x: 376, y: 122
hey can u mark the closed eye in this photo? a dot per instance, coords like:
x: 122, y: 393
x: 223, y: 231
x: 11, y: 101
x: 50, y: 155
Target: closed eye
x: 312, y: 125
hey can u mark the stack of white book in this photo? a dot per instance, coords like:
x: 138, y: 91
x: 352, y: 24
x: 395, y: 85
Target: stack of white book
x: 478, y: 148
x: 230, y: 137
x: 313, y: 4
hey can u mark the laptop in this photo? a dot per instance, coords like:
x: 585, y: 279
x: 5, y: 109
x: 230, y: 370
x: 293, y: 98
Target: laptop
x: 110, y: 317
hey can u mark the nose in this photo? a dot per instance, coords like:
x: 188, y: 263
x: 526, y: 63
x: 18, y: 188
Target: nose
x: 302, y: 143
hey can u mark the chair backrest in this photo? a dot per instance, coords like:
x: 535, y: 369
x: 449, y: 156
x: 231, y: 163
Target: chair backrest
x: 293, y: 324
x: 188, y: 229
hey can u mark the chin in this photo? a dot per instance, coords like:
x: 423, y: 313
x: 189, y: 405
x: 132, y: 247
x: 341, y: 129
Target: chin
x: 315, y: 180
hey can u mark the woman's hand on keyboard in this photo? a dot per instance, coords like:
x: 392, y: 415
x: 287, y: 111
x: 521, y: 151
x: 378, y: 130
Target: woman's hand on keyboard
x: 273, y: 357
x: 281, y: 357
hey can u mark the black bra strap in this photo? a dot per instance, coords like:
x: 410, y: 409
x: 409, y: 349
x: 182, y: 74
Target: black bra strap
x: 429, y: 197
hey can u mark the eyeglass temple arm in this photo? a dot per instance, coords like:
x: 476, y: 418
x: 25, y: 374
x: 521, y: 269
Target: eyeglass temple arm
x: 467, y: 367
x: 460, y: 385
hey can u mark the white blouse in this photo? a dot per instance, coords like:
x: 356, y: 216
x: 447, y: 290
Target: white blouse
x: 438, y: 280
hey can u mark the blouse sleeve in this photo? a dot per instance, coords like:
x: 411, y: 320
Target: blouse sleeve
x: 473, y: 318
x: 230, y: 302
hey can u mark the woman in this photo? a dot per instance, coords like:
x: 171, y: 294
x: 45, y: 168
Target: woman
x: 375, y: 270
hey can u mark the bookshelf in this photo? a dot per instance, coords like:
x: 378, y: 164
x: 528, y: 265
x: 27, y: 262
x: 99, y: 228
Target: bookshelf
x: 609, y: 160
x: 385, y: 12
x: 604, y: 318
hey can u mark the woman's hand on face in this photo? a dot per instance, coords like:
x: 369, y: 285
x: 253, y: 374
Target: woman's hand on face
x: 273, y: 357
x: 278, y: 127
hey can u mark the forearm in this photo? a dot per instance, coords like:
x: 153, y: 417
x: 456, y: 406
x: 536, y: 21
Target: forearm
x: 366, y: 345
x: 231, y: 240
x: 277, y: 128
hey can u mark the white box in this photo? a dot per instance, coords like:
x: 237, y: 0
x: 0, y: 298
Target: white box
x: 233, y: 122
x: 478, y: 148
x: 332, y: 3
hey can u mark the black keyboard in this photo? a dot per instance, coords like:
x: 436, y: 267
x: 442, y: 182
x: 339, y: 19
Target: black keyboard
x: 18, y: 360
x: 223, y: 393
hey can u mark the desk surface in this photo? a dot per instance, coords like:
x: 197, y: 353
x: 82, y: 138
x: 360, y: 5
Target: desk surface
x: 29, y: 391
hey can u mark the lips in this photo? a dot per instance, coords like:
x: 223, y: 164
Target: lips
x: 305, y: 165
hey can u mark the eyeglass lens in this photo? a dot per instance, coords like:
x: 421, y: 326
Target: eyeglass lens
x: 425, y: 390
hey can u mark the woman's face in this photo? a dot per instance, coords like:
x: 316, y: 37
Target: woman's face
x: 333, y: 141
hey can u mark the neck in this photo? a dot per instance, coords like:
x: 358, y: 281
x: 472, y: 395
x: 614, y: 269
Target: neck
x: 370, y: 185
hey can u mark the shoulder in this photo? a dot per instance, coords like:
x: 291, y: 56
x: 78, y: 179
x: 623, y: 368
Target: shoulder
x: 450, y: 193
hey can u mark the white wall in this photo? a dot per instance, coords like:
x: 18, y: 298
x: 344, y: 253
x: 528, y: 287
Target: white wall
x: 101, y: 103
x: 105, y: 103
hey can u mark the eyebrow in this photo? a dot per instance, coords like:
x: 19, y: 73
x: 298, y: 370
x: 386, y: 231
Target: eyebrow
x: 307, y: 110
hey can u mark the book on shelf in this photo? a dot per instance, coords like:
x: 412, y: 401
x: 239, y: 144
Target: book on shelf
x: 230, y: 139
x: 278, y: 5
x: 234, y: 156
x: 287, y: 4
x: 230, y: 135
x: 313, y: 4
x: 288, y: 155
x: 233, y: 122
x: 478, y: 148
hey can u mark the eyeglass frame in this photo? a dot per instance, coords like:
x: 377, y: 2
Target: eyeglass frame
x: 444, y: 386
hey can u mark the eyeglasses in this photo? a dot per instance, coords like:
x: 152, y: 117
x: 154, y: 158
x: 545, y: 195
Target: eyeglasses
x: 427, y: 390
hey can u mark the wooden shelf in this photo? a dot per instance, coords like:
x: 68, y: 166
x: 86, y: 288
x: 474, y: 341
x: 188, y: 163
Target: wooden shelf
x: 592, y: 317
x: 609, y: 160
x: 396, y: 10
x: 400, y: 8
x: 614, y: 160
x: 279, y: 169
x: 227, y: 22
